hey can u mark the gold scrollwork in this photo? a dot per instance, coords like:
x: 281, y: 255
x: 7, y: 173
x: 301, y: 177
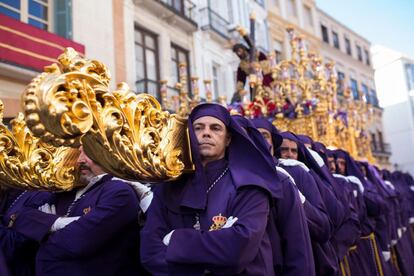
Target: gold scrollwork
x: 128, y: 134
x: 28, y: 163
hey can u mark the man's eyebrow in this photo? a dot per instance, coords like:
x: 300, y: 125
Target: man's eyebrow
x: 216, y: 125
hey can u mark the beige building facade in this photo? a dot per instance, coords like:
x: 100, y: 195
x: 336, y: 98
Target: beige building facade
x: 143, y: 42
x: 333, y: 41
x: 351, y: 54
x: 301, y: 14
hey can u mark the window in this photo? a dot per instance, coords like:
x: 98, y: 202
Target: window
x: 409, y: 70
x: 374, y: 141
x: 291, y: 8
x: 366, y: 97
x: 216, y: 83
x: 354, y: 88
x: 367, y: 59
x: 261, y: 35
x: 308, y: 17
x: 10, y: 8
x: 278, y: 46
x: 380, y: 140
x: 53, y: 16
x: 179, y: 55
x: 33, y: 12
x: 146, y: 61
x: 63, y: 18
x: 340, y: 83
x: 325, y: 35
x: 359, y: 52
x: 335, y: 39
x: 374, y: 99
x: 348, y: 46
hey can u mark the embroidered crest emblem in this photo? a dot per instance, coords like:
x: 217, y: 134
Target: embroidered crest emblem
x: 218, y: 222
x: 86, y: 210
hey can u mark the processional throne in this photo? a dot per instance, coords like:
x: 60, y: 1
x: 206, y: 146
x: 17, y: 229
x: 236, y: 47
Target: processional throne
x: 303, y: 99
x: 132, y: 135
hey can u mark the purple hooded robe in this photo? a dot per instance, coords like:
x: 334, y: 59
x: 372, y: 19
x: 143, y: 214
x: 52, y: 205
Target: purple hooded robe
x: 103, y: 241
x: 182, y: 205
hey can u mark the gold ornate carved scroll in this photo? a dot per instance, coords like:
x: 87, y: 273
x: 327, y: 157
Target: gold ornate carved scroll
x: 28, y: 163
x: 128, y: 134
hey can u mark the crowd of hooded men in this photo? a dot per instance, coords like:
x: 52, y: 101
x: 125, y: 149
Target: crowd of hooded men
x: 259, y: 202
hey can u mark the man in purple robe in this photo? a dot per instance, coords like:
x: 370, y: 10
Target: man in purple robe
x: 349, y: 232
x: 213, y: 220
x: 366, y: 258
x: 292, y: 148
x: 91, y: 230
x: 403, y: 244
x: 287, y: 227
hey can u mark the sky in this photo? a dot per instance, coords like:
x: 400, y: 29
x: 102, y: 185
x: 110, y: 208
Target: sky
x: 386, y: 22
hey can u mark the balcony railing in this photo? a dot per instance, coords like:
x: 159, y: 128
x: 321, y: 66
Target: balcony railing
x: 378, y: 148
x: 210, y: 20
x: 184, y: 8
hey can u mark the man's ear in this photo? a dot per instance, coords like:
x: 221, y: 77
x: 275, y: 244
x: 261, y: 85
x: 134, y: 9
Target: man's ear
x: 228, y: 138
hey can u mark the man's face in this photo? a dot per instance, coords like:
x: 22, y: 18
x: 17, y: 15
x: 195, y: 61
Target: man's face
x: 289, y: 149
x: 268, y: 137
x: 87, y: 168
x: 241, y: 53
x: 332, y: 164
x: 212, y: 137
x: 341, y: 163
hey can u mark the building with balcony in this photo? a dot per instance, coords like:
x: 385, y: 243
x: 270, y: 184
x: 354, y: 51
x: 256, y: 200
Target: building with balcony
x: 351, y: 54
x: 35, y: 32
x: 153, y: 38
x: 394, y: 78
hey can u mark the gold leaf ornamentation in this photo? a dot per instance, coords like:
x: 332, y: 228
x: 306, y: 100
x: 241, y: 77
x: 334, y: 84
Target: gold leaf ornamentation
x: 28, y: 163
x: 128, y: 134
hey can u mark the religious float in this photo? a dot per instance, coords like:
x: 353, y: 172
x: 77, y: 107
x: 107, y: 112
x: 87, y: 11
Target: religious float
x: 134, y: 136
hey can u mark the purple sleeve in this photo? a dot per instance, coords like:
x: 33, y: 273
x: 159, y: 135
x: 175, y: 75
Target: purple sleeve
x: 315, y: 210
x: 294, y: 234
x: 350, y: 230
x: 347, y: 234
x: 376, y: 205
x: 33, y: 223
x: 10, y: 241
x: 232, y: 247
x: 335, y: 209
x: 3, y: 265
x: 153, y: 249
x: 117, y: 206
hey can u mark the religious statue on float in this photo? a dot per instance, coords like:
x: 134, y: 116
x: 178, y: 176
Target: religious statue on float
x: 254, y: 65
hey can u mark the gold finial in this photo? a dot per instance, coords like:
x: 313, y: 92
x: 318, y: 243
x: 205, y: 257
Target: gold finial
x: 253, y: 15
x: 242, y: 31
